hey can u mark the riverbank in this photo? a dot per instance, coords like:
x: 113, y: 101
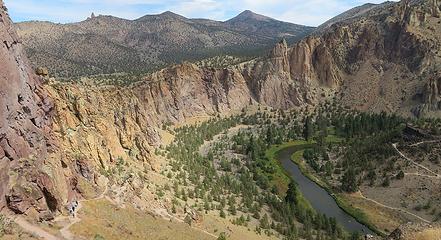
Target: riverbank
x: 297, y: 157
x: 281, y: 178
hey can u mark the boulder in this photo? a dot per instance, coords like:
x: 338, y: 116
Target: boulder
x: 42, y: 71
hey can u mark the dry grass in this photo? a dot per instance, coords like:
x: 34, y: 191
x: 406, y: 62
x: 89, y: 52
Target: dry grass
x: 19, y: 237
x: 429, y: 234
x: 112, y: 223
x: 385, y: 218
x: 14, y: 232
x: 166, y: 137
x: 192, y: 121
x: 214, y: 224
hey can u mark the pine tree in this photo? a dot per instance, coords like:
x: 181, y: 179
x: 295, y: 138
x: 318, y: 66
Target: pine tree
x: 264, y: 222
x: 222, y: 236
x: 222, y: 213
x: 308, y: 130
x: 349, y: 181
x: 291, y: 194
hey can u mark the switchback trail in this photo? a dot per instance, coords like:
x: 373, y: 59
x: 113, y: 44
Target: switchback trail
x: 435, y: 175
x: 393, y: 208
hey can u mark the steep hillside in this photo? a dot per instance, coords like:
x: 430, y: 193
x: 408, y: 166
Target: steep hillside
x: 265, y: 27
x: 350, y: 14
x: 25, y: 121
x: 107, y: 44
x: 385, y: 59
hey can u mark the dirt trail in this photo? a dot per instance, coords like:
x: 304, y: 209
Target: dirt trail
x: 422, y: 175
x: 41, y: 233
x: 419, y: 143
x: 393, y: 208
x: 33, y: 229
x: 65, y: 232
x: 435, y: 175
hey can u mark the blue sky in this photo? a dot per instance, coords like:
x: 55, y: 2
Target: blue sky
x: 308, y: 12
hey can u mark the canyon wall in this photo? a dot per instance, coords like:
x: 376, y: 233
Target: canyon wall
x: 25, y: 123
x: 38, y: 175
x: 58, y: 139
x: 375, y: 62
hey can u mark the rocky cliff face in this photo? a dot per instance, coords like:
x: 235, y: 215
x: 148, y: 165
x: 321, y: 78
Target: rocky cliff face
x: 38, y: 174
x: 25, y: 117
x: 385, y: 58
x: 432, y: 95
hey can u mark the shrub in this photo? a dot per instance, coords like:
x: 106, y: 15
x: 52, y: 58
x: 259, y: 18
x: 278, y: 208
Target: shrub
x: 386, y: 182
x: 2, y: 226
x: 98, y: 237
x: 400, y: 175
x: 222, y: 236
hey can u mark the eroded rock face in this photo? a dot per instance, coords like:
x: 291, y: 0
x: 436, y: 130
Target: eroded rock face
x: 379, y: 60
x: 432, y: 94
x: 97, y: 126
x: 24, y: 122
x: 31, y: 175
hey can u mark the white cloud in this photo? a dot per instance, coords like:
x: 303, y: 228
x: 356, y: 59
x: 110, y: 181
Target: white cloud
x: 200, y: 8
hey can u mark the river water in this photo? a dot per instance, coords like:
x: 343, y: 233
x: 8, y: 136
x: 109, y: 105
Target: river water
x: 317, y: 196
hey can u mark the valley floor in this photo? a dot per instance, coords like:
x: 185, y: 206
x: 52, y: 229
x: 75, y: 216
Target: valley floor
x: 149, y: 207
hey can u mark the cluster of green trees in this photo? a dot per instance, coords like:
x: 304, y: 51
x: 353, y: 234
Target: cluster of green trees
x: 363, y: 139
x: 285, y: 213
x: 246, y: 186
x: 365, y: 124
x: 432, y: 125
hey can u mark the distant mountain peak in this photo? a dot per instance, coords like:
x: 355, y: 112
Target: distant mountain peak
x: 249, y: 15
x: 111, y: 44
x: 169, y: 14
x: 164, y: 15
